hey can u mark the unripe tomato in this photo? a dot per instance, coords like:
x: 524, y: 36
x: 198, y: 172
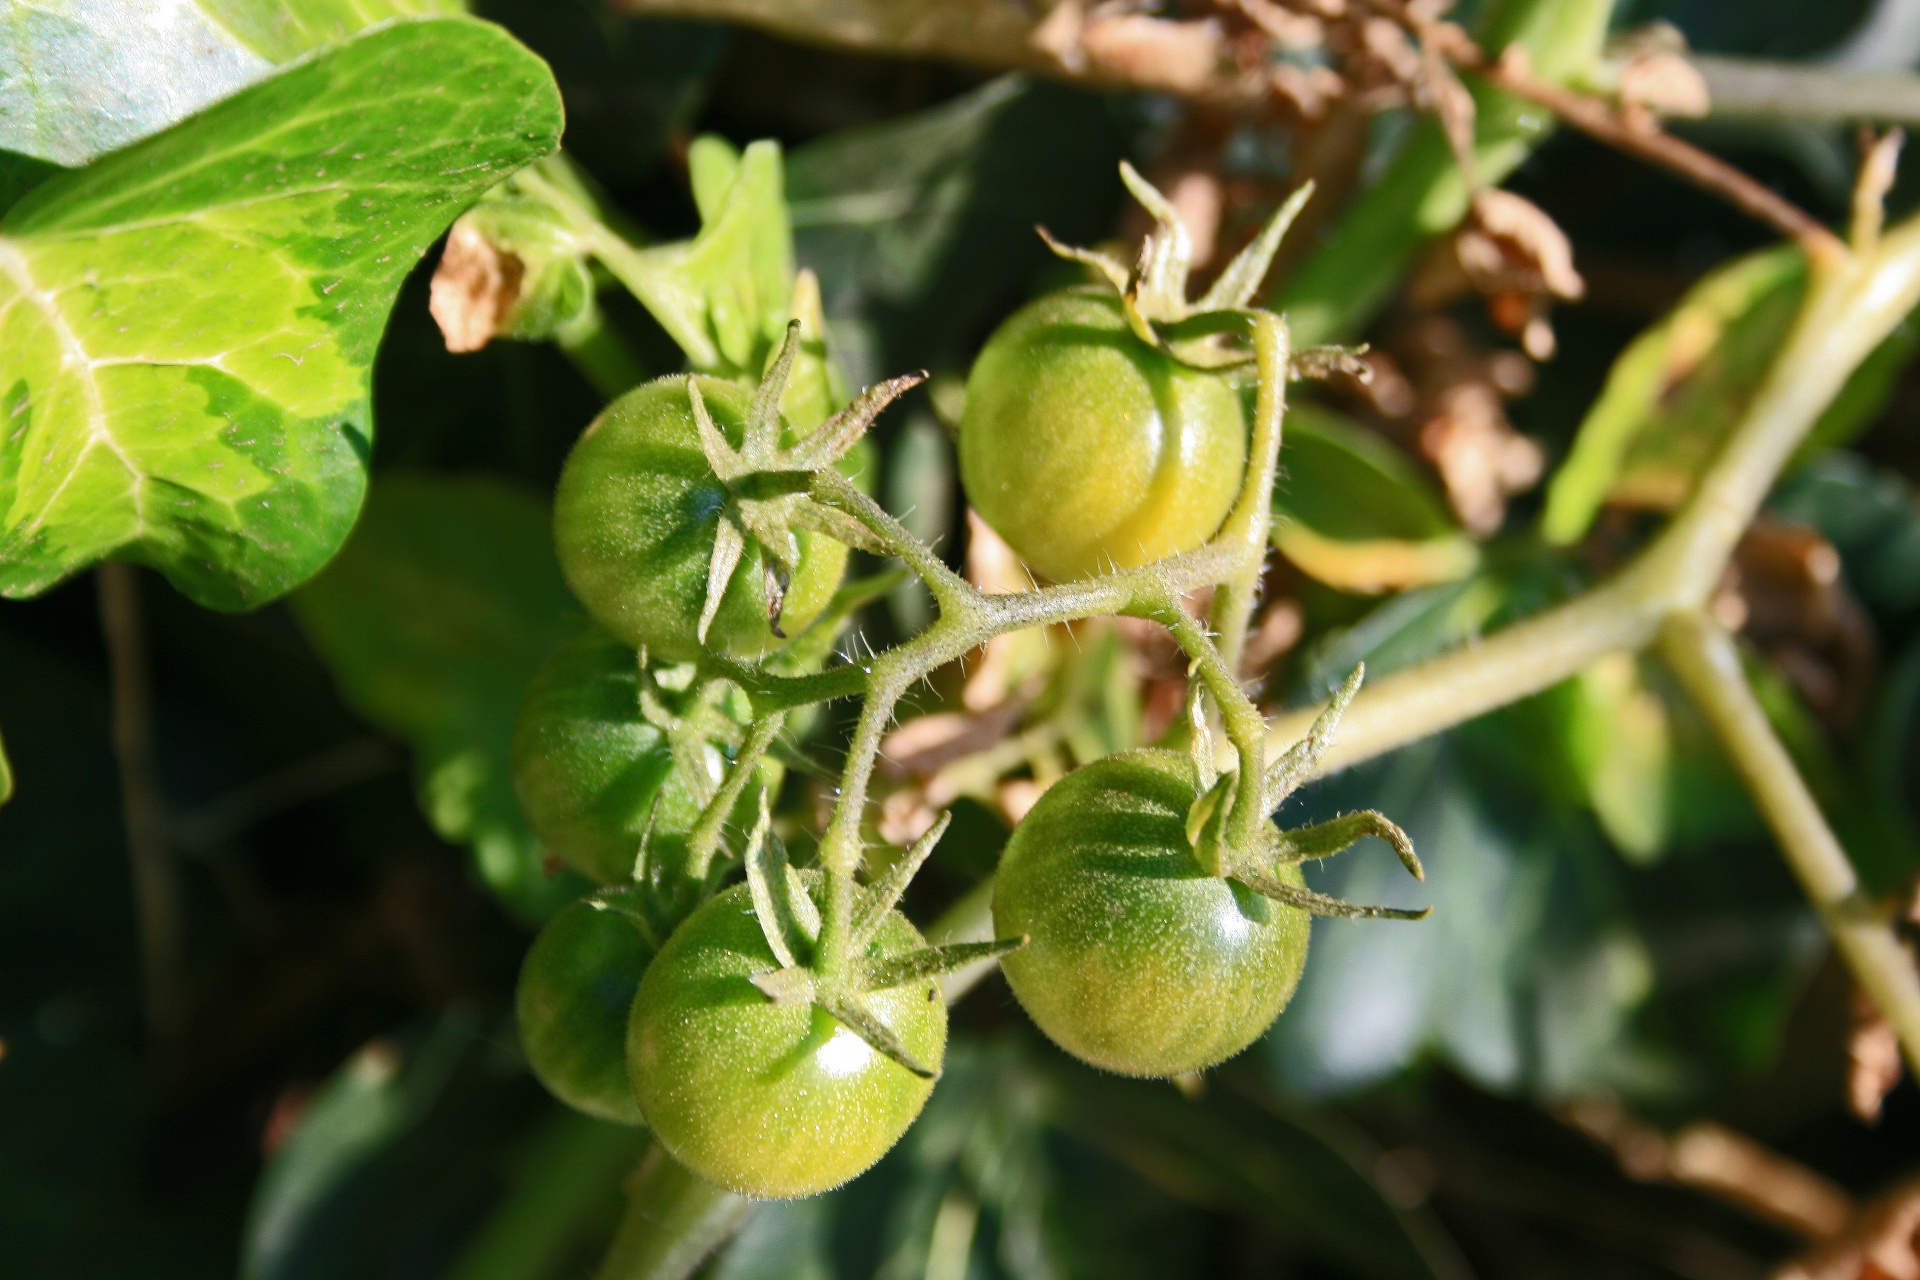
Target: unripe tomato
x: 576, y: 987
x: 1139, y: 961
x: 771, y: 1100
x: 1087, y: 450
x: 587, y: 765
x: 635, y: 518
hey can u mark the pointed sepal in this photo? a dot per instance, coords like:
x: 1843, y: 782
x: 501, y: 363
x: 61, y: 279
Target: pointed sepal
x: 1243, y: 276
x: 878, y: 973
x: 729, y: 546
x: 788, y: 918
x: 1319, y: 904
x: 624, y: 900
x: 1324, y: 839
x: 885, y: 893
x: 1285, y: 775
x: 860, y: 1019
x: 1112, y: 269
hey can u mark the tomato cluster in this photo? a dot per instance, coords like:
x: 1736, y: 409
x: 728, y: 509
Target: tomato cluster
x: 776, y: 1039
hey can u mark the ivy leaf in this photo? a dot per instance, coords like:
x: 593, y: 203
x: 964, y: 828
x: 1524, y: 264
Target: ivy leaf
x: 78, y: 85
x: 434, y: 619
x: 1352, y: 511
x: 187, y: 327
x: 1675, y: 393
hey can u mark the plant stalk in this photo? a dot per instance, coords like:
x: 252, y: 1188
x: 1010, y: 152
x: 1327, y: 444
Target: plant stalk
x: 1851, y: 305
x: 1703, y: 656
x: 673, y: 1220
x: 156, y: 887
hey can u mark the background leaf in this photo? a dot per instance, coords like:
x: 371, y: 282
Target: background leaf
x: 6, y: 774
x: 1676, y: 392
x: 79, y: 78
x: 433, y: 619
x: 1355, y: 513
x: 189, y: 325
x: 921, y: 228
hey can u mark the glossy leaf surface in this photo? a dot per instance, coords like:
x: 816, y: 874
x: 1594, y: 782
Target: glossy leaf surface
x: 187, y: 327
x: 88, y: 77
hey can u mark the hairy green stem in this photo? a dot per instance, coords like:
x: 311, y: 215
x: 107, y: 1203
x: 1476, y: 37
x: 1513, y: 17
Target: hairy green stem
x: 673, y: 1220
x: 1249, y: 524
x: 1703, y: 656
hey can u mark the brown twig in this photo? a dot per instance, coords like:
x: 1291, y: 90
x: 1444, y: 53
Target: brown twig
x: 1646, y: 139
x: 156, y: 891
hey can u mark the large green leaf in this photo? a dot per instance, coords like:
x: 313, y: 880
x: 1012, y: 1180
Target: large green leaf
x: 187, y: 327
x: 80, y: 78
x: 433, y: 619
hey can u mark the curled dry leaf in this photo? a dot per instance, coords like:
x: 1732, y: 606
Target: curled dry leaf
x: 1107, y: 42
x: 474, y: 289
x: 1882, y: 1243
x: 1511, y: 245
x: 1873, y: 1061
x: 1665, y: 83
x: 1481, y: 459
x: 1720, y: 1161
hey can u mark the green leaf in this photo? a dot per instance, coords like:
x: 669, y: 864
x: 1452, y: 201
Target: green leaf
x: 433, y: 620
x: 561, y: 1187
x: 1675, y: 390
x: 362, y: 1109
x: 1678, y: 389
x: 187, y: 327
x: 82, y: 79
x: 921, y: 227
x: 1354, y: 512
x: 725, y: 296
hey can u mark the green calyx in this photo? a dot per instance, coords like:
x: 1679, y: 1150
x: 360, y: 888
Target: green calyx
x: 1210, y: 332
x: 793, y: 929
x: 1256, y: 864
x: 767, y: 481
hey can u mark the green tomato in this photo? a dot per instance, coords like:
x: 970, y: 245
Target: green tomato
x: 773, y: 1101
x: 635, y: 518
x: 1139, y: 961
x: 587, y: 766
x: 576, y: 986
x: 1088, y: 450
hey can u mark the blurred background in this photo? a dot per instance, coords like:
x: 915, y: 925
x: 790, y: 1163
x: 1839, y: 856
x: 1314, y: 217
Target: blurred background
x: 1620, y: 1047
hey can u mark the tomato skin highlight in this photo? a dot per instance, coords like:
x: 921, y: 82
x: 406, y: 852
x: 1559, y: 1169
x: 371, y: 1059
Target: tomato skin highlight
x: 576, y: 988
x: 635, y: 517
x: 1088, y: 450
x: 1139, y: 961
x: 771, y: 1101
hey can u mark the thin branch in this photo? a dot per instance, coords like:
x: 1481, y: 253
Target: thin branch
x: 1850, y: 307
x: 1752, y: 89
x: 673, y: 1222
x: 1650, y: 142
x: 156, y: 888
x: 1702, y: 655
